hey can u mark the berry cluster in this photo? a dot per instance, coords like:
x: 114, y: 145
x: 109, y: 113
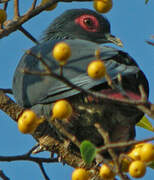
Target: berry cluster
x: 134, y: 163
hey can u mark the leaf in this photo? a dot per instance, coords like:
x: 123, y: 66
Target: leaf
x: 146, y: 124
x: 146, y: 1
x: 151, y: 164
x: 88, y: 151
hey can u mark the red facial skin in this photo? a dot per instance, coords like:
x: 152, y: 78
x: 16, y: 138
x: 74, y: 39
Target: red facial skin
x: 88, y: 23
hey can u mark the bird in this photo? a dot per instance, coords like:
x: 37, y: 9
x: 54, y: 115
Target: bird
x: 84, y: 31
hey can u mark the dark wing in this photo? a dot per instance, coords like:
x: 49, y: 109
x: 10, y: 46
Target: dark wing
x: 34, y: 89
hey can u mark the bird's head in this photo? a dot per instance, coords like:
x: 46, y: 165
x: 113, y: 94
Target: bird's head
x: 81, y: 24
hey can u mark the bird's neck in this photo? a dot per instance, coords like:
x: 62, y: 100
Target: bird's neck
x: 49, y: 35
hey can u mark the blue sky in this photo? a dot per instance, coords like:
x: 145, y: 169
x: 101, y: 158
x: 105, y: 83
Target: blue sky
x: 132, y: 21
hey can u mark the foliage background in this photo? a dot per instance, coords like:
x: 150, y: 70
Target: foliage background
x: 131, y: 20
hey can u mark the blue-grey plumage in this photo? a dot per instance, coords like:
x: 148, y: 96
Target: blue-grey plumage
x: 84, y: 30
x: 46, y: 89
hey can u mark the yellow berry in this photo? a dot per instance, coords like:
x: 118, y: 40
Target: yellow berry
x: 3, y: 16
x: 61, y: 52
x: 28, y: 122
x: 135, y: 153
x: 147, y: 152
x: 103, y: 6
x: 106, y: 173
x: 61, y: 109
x: 139, y: 145
x: 43, y: 2
x: 96, y: 69
x: 137, y: 169
x: 80, y: 174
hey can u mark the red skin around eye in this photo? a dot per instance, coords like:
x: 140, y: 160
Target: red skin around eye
x: 94, y: 28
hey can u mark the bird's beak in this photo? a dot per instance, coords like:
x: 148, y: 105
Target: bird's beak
x: 112, y: 39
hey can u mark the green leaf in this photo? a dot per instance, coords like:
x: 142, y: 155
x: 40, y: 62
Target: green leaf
x: 88, y: 151
x: 151, y: 164
x: 146, y: 1
x: 146, y: 124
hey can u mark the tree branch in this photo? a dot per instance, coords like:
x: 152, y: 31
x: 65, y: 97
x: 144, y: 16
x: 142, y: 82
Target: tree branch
x: 43, y: 134
x: 9, y: 106
x: 14, y: 25
x: 26, y: 157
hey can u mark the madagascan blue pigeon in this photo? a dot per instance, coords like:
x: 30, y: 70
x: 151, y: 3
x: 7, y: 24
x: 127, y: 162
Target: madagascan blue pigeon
x: 83, y: 30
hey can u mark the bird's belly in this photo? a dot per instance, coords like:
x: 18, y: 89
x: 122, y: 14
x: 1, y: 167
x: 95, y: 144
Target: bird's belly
x: 117, y: 119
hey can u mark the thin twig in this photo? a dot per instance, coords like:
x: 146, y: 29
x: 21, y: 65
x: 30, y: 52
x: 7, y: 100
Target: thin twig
x: 13, y: 26
x: 35, y: 72
x: 43, y: 171
x: 150, y: 42
x: 40, y: 58
x: 4, y: 1
x: 61, y: 70
x: 32, y: 149
x: 27, y: 34
x: 9, y: 91
x: 33, y: 5
x: 111, y: 83
x: 142, y: 92
x: 5, y: 5
x: 39, y: 149
x: 115, y: 159
x: 16, y: 9
x: 123, y: 144
x: 26, y: 157
x: 109, y: 80
x: 147, y: 110
x: 62, y: 130
x: 3, y: 176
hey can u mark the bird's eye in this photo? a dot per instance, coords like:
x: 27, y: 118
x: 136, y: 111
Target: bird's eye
x: 88, y: 22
